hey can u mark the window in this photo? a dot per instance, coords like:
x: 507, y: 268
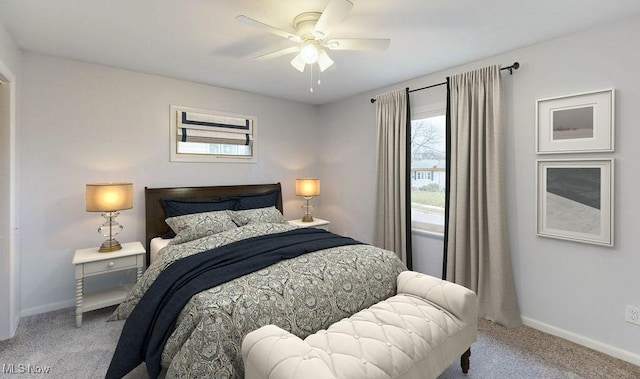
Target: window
x: 428, y: 171
x: 209, y: 136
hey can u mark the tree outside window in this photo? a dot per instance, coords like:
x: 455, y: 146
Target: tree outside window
x: 428, y: 171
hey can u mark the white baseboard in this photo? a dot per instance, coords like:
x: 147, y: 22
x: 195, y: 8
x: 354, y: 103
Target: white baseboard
x: 48, y: 308
x: 613, y: 351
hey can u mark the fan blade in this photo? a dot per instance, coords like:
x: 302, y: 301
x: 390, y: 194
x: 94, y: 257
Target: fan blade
x: 268, y: 28
x: 298, y: 63
x: 279, y: 53
x: 335, y: 12
x: 369, y: 44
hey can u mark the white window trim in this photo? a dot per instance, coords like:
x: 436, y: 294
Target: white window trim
x: 185, y: 157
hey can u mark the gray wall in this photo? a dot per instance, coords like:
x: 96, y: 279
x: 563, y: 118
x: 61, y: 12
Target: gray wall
x: 9, y: 52
x: 84, y: 123
x: 578, y: 291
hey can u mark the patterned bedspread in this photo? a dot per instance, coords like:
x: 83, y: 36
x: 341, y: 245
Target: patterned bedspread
x: 300, y: 295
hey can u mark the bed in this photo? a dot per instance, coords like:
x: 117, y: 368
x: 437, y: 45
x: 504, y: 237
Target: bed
x: 301, y: 294
x: 155, y: 225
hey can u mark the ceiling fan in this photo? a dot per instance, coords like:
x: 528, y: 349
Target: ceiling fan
x: 311, y: 36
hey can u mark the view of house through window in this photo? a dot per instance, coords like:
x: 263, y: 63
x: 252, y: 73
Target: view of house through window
x: 428, y: 171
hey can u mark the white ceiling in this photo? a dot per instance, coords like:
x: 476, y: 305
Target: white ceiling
x: 200, y: 40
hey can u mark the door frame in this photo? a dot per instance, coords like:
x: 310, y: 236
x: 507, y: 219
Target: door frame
x: 8, y: 327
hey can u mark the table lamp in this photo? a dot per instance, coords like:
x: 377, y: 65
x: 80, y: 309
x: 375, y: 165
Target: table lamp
x: 109, y: 198
x: 308, y: 188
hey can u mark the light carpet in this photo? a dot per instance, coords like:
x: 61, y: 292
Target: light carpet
x: 51, y: 342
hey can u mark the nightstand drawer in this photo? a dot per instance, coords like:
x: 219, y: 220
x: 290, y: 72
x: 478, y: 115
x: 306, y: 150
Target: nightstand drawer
x: 109, y: 265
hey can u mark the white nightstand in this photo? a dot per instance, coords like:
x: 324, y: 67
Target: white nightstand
x: 90, y: 262
x: 316, y: 223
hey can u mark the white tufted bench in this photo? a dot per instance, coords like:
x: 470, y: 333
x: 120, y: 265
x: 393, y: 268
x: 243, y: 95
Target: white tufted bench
x: 417, y: 333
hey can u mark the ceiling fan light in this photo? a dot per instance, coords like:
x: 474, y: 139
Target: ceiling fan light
x: 309, y: 53
x: 298, y: 63
x: 324, y: 61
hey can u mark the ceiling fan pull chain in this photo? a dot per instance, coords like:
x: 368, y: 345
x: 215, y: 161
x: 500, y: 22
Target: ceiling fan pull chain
x: 311, y: 78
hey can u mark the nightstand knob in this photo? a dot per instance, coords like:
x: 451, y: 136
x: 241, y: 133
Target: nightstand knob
x: 111, y: 264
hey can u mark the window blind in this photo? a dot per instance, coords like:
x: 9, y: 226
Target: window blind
x: 207, y: 128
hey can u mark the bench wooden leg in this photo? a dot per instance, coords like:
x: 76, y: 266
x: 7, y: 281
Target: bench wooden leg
x: 464, y: 360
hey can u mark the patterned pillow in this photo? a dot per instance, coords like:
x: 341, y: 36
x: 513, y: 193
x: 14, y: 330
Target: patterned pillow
x: 257, y: 216
x: 176, y: 207
x: 198, y: 225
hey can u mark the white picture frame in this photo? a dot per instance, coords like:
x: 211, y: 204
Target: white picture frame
x: 575, y: 200
x: 577, y: 123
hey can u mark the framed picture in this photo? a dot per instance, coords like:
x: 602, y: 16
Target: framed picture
x: 575, y: 200
x: 575, y: 124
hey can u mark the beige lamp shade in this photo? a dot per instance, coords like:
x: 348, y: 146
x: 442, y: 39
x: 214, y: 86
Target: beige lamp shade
x: 109, y: 197
x: 307, y: 187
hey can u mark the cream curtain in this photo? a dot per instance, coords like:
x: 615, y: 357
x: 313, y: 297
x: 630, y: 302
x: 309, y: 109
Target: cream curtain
x: 392, y: 227
x: 477, y: 251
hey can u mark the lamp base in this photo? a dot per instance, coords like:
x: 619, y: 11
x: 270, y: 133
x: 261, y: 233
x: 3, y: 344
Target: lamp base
x: 307, y: 218
x: 110, y: 230
x: 109, y: 246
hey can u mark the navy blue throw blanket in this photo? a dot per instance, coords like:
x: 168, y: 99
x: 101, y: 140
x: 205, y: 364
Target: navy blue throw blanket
x: 153, y: 319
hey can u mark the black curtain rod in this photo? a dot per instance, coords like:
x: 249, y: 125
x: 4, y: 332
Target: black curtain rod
x: 514, y: 66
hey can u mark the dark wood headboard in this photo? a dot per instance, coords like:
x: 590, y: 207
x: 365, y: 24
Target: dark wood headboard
x: 154, y: 213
